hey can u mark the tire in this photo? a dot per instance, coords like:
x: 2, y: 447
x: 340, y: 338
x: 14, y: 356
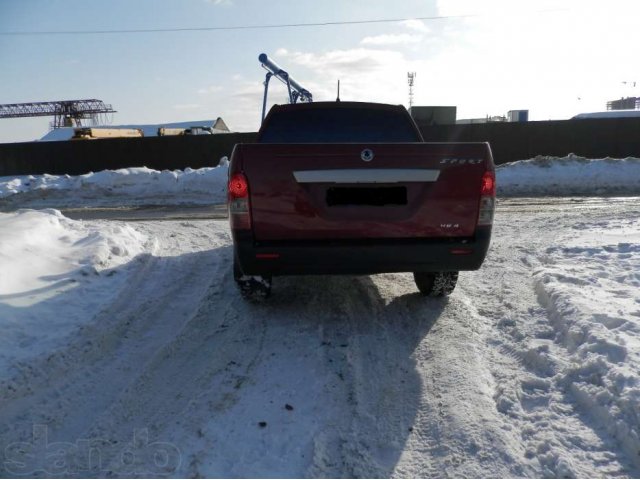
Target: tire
x: 436, y: 284
x: 252, y: 287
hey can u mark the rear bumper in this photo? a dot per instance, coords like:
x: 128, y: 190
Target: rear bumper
x: 360, y: 256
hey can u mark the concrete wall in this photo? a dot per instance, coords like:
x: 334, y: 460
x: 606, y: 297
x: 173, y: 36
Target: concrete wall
x: 595, y: 138
x: 82, y: 156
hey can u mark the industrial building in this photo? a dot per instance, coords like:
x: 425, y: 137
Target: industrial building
x: 148, y: 130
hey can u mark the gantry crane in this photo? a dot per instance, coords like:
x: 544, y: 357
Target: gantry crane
x: 66, y: 113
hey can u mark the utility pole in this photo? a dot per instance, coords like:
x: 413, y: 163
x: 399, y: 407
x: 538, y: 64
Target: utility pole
x: 410, y: 77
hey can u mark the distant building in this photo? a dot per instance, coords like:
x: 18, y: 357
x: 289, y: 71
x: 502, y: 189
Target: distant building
x: 216, y: 126
x: 513, y: 116
x: 629, y: 103
x: 487, y: 119
x: 518, y: 116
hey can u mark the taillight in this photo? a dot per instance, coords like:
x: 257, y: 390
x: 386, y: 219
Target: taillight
x: 487, y: 198
x: 488, y: 184
x: 238, y: 202
x: 238, y: 186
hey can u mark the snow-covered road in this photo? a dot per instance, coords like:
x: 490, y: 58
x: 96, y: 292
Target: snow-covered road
x: 530, y: 368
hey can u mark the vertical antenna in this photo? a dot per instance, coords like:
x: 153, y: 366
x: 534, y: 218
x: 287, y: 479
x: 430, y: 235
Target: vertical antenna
x: 410, y: 77
x: 338, y: 97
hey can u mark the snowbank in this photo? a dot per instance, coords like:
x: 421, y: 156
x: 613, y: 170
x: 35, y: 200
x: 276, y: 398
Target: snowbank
x: 589, y: 285
x: 56, y: 275
x: 566, y: 176
x: 127, y: 186
x: 570, y: 175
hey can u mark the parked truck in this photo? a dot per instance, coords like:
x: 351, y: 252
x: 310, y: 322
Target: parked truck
x: 195, y: 130
x: 351, y: 188
x: 93, y: 133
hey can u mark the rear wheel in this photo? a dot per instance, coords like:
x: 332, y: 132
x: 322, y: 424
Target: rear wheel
x: 436, y: 284
x: 252, y: 287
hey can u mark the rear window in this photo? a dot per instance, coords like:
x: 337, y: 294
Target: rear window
x: 338, y: 125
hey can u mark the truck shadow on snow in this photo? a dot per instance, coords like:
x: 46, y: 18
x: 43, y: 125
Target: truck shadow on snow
x: 349, y: 343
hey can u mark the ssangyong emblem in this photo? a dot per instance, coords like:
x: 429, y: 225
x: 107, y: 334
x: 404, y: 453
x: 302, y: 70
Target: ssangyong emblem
x: 366, y: 155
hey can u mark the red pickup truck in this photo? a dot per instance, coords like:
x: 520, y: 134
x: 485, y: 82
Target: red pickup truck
x: 351, y: 188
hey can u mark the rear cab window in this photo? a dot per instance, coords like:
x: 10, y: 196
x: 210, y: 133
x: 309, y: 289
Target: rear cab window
x: 319, y: 123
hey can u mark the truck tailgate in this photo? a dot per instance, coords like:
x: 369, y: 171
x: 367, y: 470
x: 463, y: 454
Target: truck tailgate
x: 357, y: 191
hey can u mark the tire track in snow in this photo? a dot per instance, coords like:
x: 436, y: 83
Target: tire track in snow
x: 409, y: 377
x: 558, y: 439
x: 592, y: 351
x: 364, y: 443
x: 193, y: 378
x: 459, y: 433
x: 334, y: 353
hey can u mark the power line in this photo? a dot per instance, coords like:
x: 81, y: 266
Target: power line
x: 236, y: 27
x: 249, y: 27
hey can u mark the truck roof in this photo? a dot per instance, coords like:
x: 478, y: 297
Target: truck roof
x: 341, y: 104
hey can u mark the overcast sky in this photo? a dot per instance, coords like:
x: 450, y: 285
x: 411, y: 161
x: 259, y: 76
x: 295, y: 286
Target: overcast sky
x: 555, y: 58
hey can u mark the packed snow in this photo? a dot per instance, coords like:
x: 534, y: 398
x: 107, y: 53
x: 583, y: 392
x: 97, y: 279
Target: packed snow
x: 127, y: 347
x: 56, y: 274
x: 551, y: 176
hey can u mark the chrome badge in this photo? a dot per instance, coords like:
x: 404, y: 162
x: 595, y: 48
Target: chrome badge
x: 366, y: 155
